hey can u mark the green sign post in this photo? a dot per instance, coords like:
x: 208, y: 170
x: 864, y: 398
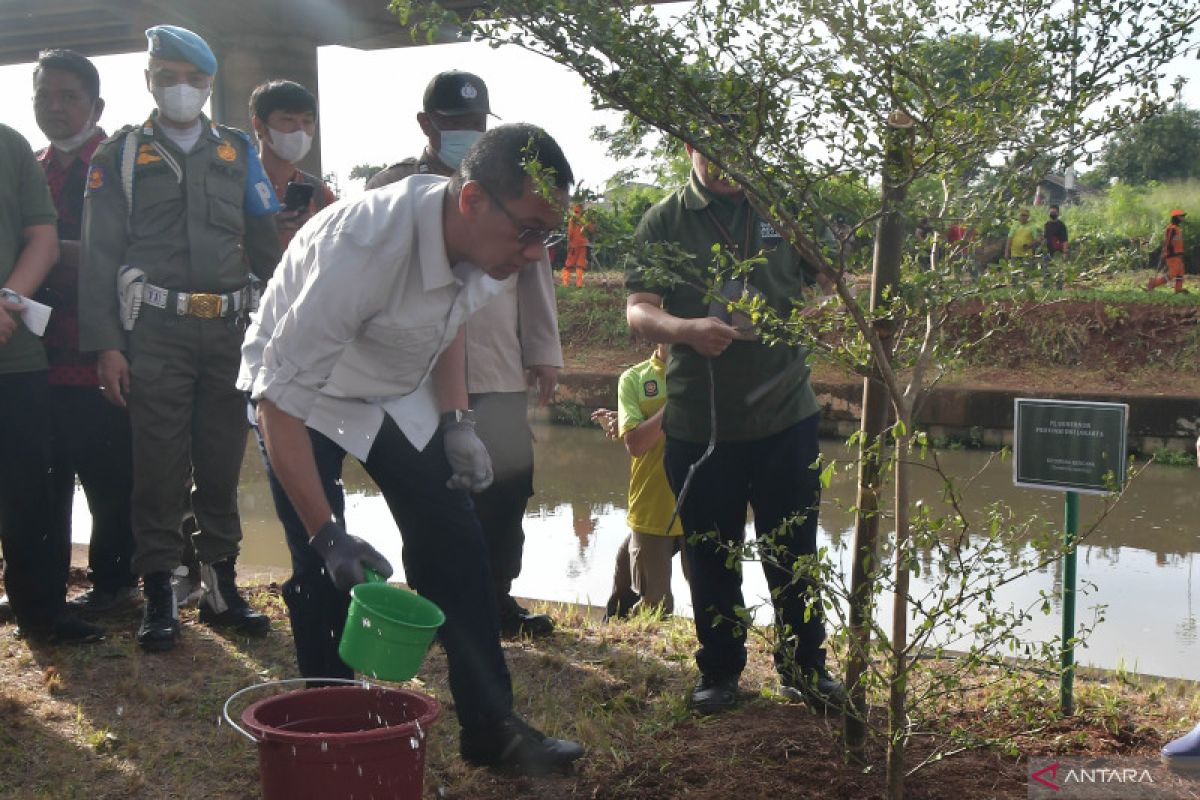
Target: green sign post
x: 1074, y: 447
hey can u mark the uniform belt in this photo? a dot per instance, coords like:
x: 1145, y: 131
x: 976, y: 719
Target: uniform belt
x: 202, y: 305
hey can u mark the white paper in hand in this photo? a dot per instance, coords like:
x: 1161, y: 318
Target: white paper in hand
x: 35, y: 315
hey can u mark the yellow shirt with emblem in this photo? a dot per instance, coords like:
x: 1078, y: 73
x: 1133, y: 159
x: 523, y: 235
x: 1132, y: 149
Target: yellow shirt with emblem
x: 641, y: 392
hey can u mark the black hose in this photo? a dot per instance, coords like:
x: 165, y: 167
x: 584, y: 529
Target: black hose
x: 712, y: 445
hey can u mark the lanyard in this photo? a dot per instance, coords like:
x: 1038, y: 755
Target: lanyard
x: 742, y: 252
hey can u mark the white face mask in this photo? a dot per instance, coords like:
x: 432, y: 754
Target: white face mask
x: 181, y: 103
x: 291, y: 147
x: 73, y: 143
x: 455, y: 145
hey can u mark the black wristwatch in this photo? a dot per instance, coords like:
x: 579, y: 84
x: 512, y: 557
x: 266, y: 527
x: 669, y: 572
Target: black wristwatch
x: 459, y: 415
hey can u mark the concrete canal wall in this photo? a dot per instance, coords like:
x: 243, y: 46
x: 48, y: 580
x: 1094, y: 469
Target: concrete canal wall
x: 976, y: 415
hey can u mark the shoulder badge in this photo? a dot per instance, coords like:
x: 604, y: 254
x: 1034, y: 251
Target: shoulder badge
x: 227, y: 152
x: 95, y: 178
x: 650, y: 387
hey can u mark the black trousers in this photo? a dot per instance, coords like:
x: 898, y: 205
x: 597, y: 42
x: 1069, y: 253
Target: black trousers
x: 445, y: 560
x: 37, y: 543
x: 92, y: 441
x: 775, y: 476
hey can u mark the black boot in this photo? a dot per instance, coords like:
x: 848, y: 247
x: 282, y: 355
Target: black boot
x: 160, y: 625
x: 223, y: 606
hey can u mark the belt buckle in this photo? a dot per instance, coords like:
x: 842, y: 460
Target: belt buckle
x: 204, y: 306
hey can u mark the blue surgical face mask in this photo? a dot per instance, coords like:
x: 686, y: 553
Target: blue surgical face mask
x: 455, y: 145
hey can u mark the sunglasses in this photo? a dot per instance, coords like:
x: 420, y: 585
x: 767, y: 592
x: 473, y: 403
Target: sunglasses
x: 526, y: 235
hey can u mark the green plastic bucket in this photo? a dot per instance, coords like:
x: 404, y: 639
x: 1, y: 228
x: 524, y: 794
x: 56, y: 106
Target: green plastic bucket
x: 388, y: 631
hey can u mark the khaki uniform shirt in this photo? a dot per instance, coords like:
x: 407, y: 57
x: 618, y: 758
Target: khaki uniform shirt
x: 697, y: 220
x: 517, y: 330
x: 201, y: 222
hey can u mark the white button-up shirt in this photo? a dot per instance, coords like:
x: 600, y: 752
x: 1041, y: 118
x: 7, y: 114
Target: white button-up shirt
x: 355, y: 316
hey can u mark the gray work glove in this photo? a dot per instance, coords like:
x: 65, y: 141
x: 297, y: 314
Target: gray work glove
x: 470, y: 464
x: 345, y: 556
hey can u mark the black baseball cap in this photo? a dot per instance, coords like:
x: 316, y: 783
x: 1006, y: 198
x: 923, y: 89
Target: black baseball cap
x: 454, y: 93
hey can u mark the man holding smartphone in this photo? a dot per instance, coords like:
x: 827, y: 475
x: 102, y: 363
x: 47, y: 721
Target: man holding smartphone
x: 284, y: 117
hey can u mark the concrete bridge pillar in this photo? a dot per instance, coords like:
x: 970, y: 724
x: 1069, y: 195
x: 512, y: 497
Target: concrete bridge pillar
x: 247, y: 60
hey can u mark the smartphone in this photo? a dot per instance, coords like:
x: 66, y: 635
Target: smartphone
x: 298, y: 196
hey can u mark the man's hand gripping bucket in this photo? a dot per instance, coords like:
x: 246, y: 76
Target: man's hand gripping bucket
x: 388, y: 630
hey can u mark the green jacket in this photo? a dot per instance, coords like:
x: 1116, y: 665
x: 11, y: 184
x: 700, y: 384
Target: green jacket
x: 201, y: 221
x: 697, y: 220
x: 24, y: 202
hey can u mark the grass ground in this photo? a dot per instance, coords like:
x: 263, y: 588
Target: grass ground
x: 107, y: 721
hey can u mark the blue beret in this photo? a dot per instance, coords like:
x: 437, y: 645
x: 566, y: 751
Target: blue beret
x: 172, y: 43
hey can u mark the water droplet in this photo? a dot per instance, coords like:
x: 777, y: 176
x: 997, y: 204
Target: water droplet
x: 360, y: 772
x: 413, y: 743
x: 324, y: 747
x: 120, y: 710
x: 366, y: 623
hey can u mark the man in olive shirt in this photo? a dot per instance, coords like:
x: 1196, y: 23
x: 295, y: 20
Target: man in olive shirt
x: 36, y: 541
x: 766, y: 433
x: 179, y: 215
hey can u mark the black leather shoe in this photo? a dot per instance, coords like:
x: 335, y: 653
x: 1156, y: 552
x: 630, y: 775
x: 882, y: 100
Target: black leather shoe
x: 517, y: 748
x: 824, y: 693
x: 516, y: 621
x: 160, y: 626
x: 714, y: 695
x: 223, y: 606
x: 619, y: 605
x: 66, y: 629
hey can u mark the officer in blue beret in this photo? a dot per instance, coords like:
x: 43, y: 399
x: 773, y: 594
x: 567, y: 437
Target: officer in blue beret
x: 178, y: 233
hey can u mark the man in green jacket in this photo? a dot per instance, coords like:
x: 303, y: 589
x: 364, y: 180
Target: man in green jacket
x: 764, y: 446
x: 178, y: 230
x: 36, y: 542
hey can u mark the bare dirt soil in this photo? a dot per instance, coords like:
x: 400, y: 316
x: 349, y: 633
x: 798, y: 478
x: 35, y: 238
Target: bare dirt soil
x: 1066, y: 345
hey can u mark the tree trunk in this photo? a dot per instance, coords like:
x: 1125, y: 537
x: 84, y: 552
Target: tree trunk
x: 885, y: 277
x: 898, y: 682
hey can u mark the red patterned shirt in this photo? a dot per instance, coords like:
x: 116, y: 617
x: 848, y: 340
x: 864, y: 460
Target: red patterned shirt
x: 68, y: 367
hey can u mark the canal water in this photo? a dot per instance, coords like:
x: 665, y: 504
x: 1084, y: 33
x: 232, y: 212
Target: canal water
x: 1141, y: 559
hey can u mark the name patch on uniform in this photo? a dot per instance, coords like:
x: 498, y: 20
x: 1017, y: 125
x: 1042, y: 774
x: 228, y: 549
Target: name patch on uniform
x: 650, y: 387
x: 767, y: 231
x: 227, y: 152
x: 95, y: 179
x: 265, y: 193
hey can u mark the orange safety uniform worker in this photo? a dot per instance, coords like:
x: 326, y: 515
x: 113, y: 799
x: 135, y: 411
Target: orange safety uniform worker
x: 577, y: 247
x: 1172, y: 254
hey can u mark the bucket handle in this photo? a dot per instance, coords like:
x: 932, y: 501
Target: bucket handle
x: 284, y: 682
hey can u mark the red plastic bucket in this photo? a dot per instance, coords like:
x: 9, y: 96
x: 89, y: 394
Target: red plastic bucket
x: 338, y: 742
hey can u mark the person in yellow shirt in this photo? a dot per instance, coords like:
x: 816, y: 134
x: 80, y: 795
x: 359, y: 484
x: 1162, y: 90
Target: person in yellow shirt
x: 1023, y: 238
x: 642, y: 577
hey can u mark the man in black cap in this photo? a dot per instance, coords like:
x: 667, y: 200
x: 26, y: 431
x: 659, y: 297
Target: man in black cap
x: 179, y: 214
x: 512, y: 342
x: 455, y: 116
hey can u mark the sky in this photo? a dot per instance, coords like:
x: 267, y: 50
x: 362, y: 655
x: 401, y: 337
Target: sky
x: 368, y: 103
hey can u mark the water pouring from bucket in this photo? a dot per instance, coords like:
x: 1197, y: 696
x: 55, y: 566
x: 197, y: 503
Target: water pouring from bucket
x: 376, y: 734
x: 388, y: 630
